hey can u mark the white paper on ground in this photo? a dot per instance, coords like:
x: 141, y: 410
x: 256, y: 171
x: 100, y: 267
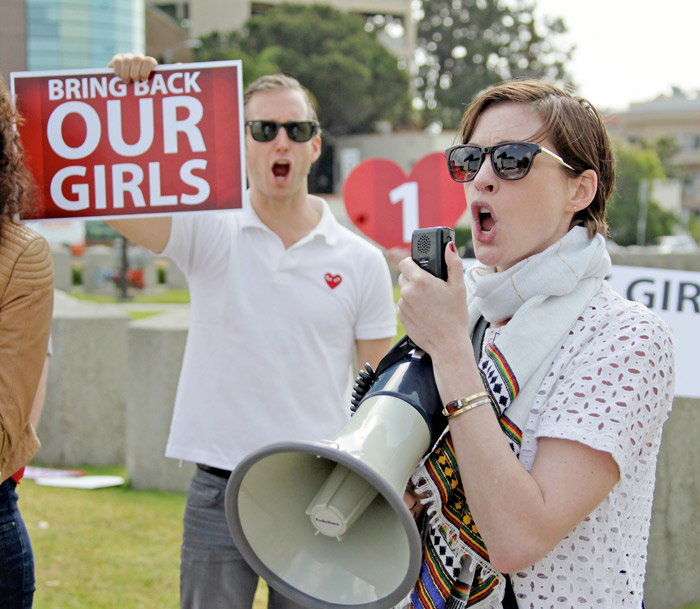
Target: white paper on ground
x: 84, y: 482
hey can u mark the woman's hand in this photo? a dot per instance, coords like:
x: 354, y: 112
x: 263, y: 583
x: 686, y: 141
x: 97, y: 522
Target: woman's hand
x: 129, y: 66
x: 413, y: 503
x: 432, y: 311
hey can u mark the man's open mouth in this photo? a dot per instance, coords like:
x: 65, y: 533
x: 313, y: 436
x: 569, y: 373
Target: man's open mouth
x: 280, y: 169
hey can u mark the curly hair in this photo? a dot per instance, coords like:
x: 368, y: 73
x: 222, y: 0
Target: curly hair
x: 16, y: 185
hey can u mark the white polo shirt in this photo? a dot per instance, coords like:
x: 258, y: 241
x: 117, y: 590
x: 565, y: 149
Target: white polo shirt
x: 272, y: 331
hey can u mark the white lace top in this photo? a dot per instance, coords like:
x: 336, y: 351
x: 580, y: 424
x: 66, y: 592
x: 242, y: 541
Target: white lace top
x: 610, y: 388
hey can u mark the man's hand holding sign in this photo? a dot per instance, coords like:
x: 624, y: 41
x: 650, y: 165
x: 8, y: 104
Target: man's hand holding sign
x: 100, y: 145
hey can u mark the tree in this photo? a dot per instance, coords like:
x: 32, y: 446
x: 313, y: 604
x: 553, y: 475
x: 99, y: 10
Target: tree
x: 667, y: 148
x: 355, y: 80
x: 632, y: 165
x: 468, y: 45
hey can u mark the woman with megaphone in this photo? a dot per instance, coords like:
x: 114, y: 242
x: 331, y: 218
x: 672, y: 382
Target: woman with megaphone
x: 539, y: 493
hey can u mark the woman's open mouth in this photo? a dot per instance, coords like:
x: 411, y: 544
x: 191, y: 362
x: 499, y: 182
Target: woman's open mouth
x: 486, y: 221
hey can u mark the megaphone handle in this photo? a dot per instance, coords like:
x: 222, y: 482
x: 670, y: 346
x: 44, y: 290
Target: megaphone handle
x: 366, y: 377
x: 363, y: 382
x: 398, y: 352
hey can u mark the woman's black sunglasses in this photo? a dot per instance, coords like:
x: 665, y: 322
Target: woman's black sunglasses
x: 510, y: 160
x: 297, y: 131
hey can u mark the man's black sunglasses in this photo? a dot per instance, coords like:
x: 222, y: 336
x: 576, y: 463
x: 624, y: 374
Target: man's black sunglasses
x: 510, y: 160
x: 297, y: 131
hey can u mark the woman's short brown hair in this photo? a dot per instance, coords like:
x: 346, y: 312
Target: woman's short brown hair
x: 571, y: 124
x: 15, y: 180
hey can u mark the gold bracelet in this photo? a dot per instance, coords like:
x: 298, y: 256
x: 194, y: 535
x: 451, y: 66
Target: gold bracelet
x: 452, y: 407
x: 481, y: 402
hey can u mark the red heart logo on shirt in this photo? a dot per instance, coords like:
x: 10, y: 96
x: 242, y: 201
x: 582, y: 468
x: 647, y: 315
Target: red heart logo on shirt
x: 333, y: 281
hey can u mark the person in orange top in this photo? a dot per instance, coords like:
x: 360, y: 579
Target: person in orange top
x: 26, y: 307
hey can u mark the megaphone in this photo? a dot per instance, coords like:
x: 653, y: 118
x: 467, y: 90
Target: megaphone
x: 324, y: 523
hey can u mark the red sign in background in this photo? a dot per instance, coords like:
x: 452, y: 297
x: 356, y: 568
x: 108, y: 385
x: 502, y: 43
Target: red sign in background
x: 98, y: 147
x: 387, y: 205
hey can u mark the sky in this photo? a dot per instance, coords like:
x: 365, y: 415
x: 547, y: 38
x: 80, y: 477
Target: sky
x: 630, y: 50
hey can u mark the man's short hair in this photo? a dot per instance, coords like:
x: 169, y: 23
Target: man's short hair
x: 273, y: 82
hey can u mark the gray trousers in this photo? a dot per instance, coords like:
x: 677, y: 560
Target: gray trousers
x: 213, y: 574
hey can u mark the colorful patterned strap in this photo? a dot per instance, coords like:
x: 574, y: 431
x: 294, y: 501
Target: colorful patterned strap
x: 450, y: 578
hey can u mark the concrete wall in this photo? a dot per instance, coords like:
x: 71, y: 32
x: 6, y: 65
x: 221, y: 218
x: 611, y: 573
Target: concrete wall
x: 156, y: 346
x: 674, y: 542
x: 102, y: 263
x: 99, y: 265
x: 13, y: 38
x: 174, y: 277
x: 84, y: 414
x: 647, y: 257
x: 62, y: 272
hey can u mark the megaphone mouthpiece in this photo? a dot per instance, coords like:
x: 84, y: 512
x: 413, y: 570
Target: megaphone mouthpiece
x: 339, y: 502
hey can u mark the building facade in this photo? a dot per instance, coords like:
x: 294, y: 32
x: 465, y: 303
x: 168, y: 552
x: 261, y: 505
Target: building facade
x: 395, y: 22
x: 68, y: 34
x: 676, y: 117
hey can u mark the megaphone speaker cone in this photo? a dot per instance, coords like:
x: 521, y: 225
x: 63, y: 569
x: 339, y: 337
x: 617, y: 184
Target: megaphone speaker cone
x: 325, y: 523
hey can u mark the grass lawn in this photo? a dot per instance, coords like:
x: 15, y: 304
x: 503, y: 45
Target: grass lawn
x: 158, y: 296
x: 111, y: 548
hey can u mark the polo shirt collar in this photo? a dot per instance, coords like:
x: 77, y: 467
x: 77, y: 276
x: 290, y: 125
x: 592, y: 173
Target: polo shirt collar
x: 327, y: 228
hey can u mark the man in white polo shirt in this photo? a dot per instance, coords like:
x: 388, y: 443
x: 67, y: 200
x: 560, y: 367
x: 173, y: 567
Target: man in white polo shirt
x: 282, y: 298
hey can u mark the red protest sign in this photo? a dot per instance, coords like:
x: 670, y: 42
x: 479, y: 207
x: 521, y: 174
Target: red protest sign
x: 387, y: 206
x: 99, y: 147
